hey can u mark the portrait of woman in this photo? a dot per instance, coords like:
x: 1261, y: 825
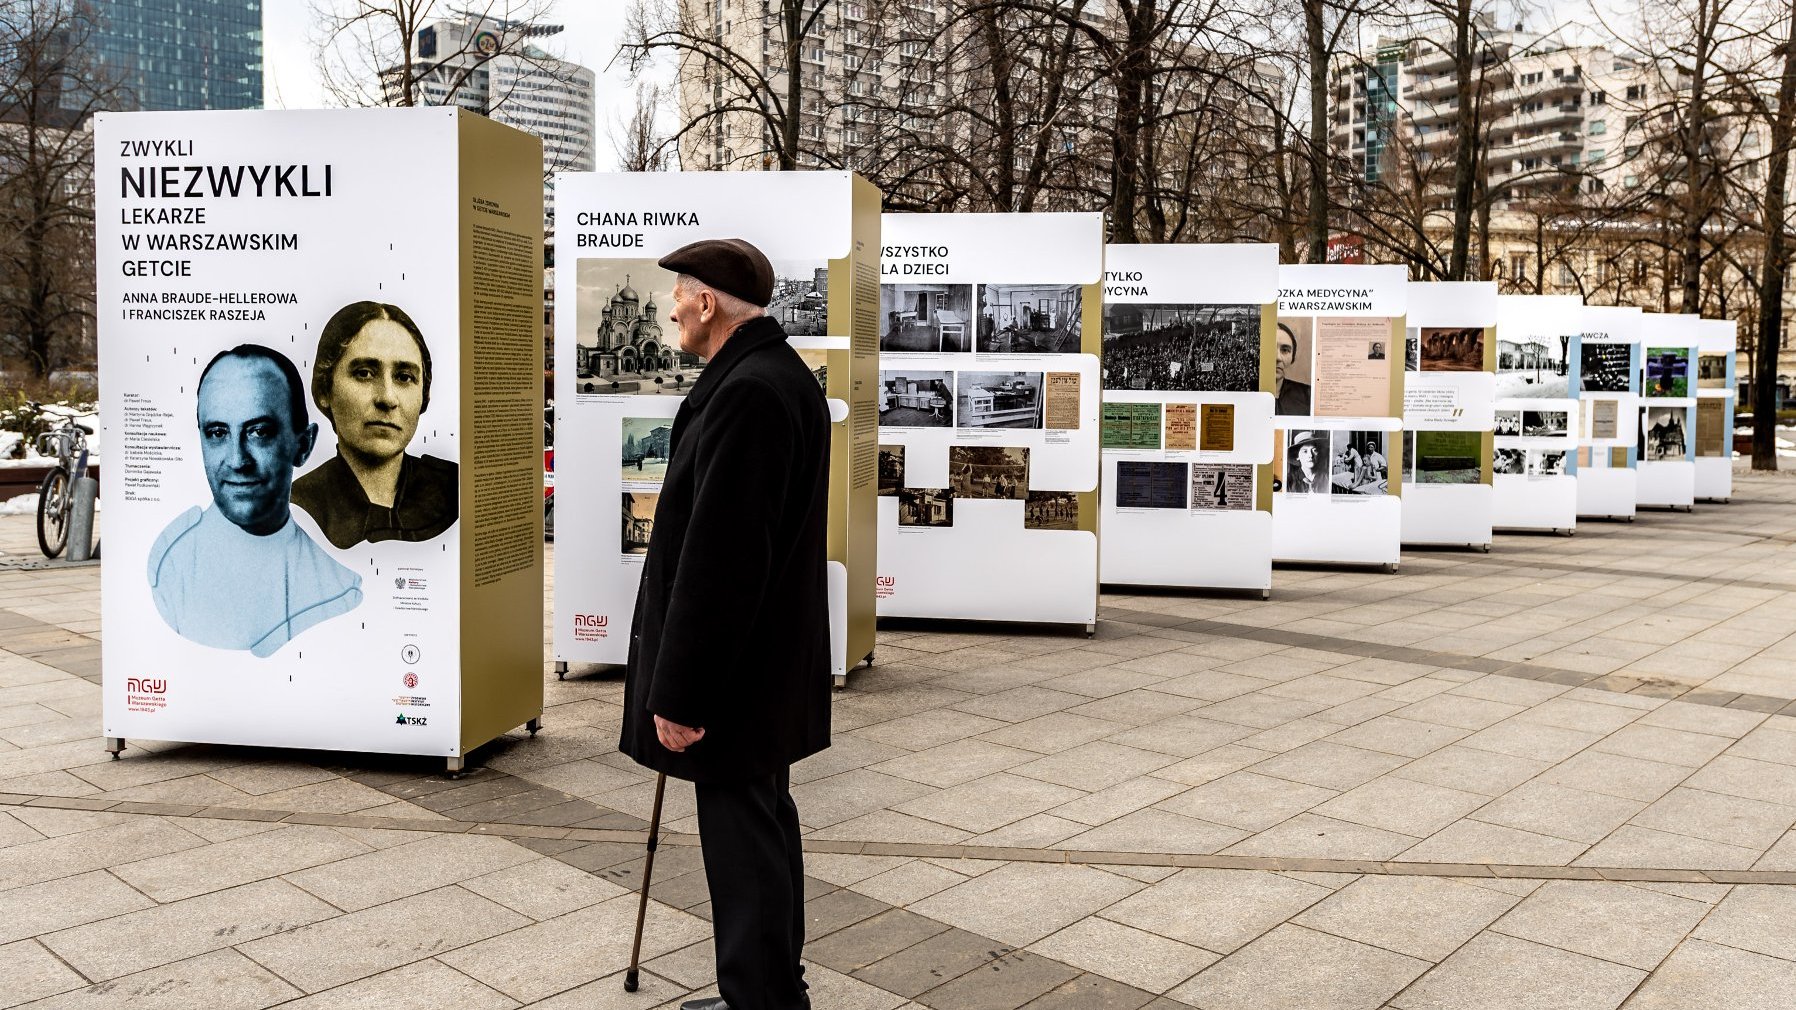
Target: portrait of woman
x: 1305, y: 468
x: 371, y: 378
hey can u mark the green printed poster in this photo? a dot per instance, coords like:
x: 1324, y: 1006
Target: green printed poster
x: 1131, y: 425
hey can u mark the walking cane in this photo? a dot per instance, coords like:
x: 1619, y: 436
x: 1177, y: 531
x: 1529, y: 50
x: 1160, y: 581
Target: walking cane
x: 648, y: 870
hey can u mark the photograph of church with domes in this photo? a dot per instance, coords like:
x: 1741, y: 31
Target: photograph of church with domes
x: 625, y: 342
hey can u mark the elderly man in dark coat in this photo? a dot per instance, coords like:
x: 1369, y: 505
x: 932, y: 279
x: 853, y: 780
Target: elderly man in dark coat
x: 728, y: 679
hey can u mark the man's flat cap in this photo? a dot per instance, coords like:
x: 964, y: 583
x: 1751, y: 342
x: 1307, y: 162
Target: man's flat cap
x: 728, y: 264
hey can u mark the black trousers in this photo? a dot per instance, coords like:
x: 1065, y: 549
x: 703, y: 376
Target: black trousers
x: 748, y: 831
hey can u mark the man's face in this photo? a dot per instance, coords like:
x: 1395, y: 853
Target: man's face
x: 690, y: 313
x: 377, y: 391
x: 248, y: 443
x: 1287, y: 353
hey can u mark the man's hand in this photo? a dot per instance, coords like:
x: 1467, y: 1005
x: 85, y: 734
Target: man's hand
x: 676, y: 737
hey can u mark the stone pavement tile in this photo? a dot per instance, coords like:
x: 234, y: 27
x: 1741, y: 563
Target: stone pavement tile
x: 831, y: 800
x: 1324, y: 687
x: 693, y: 966
x: 376, y: 939
x: 1547, y: 809
x: 1755, y: 918
x: 1770, y: 742
x: 1019, y: 903
x: 1329, y: 765
x: 842, y: 870
x: 924, y: 730
x: 1424, y: 917
x: 1738, y: 776
x: 1403, y: 737
x: 1219, y: 910
x: 545, y: 888
x: 1020, y: 704
x: 260, y: 777
x: 1212, y: 764
x: 1468, y: 770
x: 163, y: 934
x: 1616, y: 922
x: 1182, y: 736
x: 422, y: 985
x: 374, y: 878
x: 1090, y: 992
x: 1261, y: 710
x: 1154, y: 830
x: 845, y: 753
x: 49, y: 784
x: 1402, y: 805
x: 30, y: 972
x: 189, y: 872
x: 1656, y: 743
x: 834, y: 989
x: 828, y: 909
x: 1718, y: 818
x: 1700, y: 974
x: 1292, y: 735
x: 855, y: 947
x: 1002, y: 983
x: 1355, y: 712
x: 915, y: 880
x: 1114, y: 801
x: 1104, y: 681
x: 1247, y: 801
x: 607, y: 993
x: 985, y: 804
x: 220, y: 829
x: 14, y: 831
x: 82, y: 851
x: 1212, y: 685
x: 1499, y: 971
x: 1575, y: 713
x: 1514, y: 691
x: 584, y: 777
x: 891, y: 826
x: 1389, y: 672
x: 1312, y: 836
x: 1631, y: 845
x: 1711, y: 719
x: 1053, y: 733
x: 1415, y: 690
x: 1134, y: 708
x: 1479, y: 842
x: 1144, y: 960
x: 1781, y: 856
x: 1458, y: 711
x: 1615, y: 775
x: 1038, y: 831
x: 933, y: 962
x: 220, y: 980
x: 1532, y: 740
x: 65, y: 902
x: 1093, y: 766
x: 1292, y: 966
x: 950, y: 764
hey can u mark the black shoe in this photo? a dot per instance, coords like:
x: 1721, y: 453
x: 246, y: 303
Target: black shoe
x: 708, y: 1003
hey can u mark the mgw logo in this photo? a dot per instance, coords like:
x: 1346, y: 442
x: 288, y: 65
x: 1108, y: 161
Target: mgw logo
x: 141, y: 685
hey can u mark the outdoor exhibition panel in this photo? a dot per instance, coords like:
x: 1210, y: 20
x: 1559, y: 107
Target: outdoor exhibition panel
x: 1605, y: 372
x: 1670, y: 346
x: 989, y: 326
x: 325, y: 526
x: 1338, y: 399
x: 621, y: 374
x: 1537, y: 413
x: 1187, y: 415
x: 1448, y: 411
x: 1715, y: 389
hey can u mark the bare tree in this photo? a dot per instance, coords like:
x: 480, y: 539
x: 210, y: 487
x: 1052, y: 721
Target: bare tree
x: 1770, y: 323
x: 638, y: 142
x: 387, y: 52
x: 50, y: 89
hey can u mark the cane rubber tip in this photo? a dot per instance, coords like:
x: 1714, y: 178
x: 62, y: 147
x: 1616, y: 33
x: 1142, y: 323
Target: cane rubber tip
x: 630, y: 981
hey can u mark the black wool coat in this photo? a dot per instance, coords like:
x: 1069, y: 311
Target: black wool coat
x: 731, y: 631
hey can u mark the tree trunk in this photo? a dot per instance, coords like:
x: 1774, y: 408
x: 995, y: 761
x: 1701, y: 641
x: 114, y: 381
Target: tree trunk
x: 1132, y: 74
x: 793, y: 12
x: 997, y: 59
x: 1466, y: 142
x: 1317, y: 231
x: 1696, y: 182
x: 1771, y: 289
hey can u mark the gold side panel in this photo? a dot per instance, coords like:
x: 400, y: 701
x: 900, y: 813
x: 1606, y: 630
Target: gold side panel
x: 854, y: 445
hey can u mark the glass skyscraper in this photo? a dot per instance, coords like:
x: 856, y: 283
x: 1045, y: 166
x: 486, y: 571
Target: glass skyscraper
x: 183, y: 54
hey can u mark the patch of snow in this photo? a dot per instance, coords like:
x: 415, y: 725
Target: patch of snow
x: 23, y: 505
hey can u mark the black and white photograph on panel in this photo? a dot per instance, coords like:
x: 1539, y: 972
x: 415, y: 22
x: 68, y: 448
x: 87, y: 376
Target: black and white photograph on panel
x: 925, y: 317
x: 817, y: 360
x: 1201, y: 348
x: 1508, y: 422
x: 1663, y: 435
x: 1360, y: 464
x: 1546, y: 462
x: 1412, y: 351
x: 925, y: 506
x: 1445, y: 457
x: 1051, y: 510
x: 891, y: 469
x: 1292, y: 373
x: 1605, y: 368
x: 645, y: 447
x: 801, y: 297
x: 1030, y: 318
x: 998, y: 400
x: 623, y: 340
x: 1711, y: 371
x: 1512, y: 461
x: 1545, y: 423
x: 1453, y: 349
x: 1306, y: 462
x: 1532, y: 365
x: 1150, y: 485
x: 1221, y: 487
x: 988, y: 471
x: 639, y: 521
x: 916, y: 399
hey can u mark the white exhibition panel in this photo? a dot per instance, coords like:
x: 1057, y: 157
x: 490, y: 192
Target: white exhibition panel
x: 1714, y: 479
x: 1669, y: 483
x: 1190, y: 547
x: 634, y: 217
x: 1607, y: 492
x: 1338, y: 529
x: 362, y: 236
x: 1715, y: 474
x: 1604, y: 490
x: 1449, y: 514
x: 983, y: 563
x: 1535, y: 335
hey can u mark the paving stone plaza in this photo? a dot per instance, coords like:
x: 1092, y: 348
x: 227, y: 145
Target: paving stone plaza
x: 1558, y: 775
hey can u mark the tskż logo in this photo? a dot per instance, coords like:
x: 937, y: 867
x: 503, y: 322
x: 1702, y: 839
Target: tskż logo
x: 591, y: 627
x: 146, y: 694
x: 411, y: 720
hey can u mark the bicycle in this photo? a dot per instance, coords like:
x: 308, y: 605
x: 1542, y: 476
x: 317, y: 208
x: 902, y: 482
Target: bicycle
x: 56, y: 495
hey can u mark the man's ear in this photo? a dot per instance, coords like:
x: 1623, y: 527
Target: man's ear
x: 308, y: 440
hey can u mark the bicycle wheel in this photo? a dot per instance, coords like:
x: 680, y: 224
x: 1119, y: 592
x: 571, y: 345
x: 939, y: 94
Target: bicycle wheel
x: 53, y: 512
